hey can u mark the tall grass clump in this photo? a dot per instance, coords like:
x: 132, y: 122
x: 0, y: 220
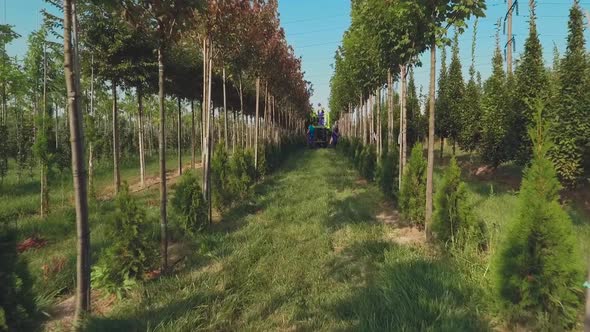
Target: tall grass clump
x: 412, y: 198
x: 413, y: 292
x: 454, y: 220
x: 538, y: 265
x: 188, y: 201
x: 132, y: 252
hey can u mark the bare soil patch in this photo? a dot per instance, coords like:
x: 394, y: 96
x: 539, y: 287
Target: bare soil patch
x: 62, y: 315
x: 361, y: 182
x: 151, y: 181
x: 397, y: 230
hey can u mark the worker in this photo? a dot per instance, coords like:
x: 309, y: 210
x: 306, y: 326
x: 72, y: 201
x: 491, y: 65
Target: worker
x: 310, y: 135
x: 335, y: 136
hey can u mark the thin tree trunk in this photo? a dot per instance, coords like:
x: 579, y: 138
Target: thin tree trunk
x: 361, y: 122
x: 209, y: 136
x: 404, y: 117
x: 203, y: 107
x: 234, y: 135
x: 372, y: 119
x: 587, y: 318
x: 162, y: 149
x: 141, y: 136
x: 402, y: 114
x: 90, y: 145
x: 56, y: 129
x: 193, y: 137
x: 204, y: 111
x: 430, y: 168
x: 179, y: 135
x: 116, y: 173
x: 226, y: 137
x: 442, y: 145
x: 44, y: 166
x: 379, y: 136
x: 242, y: 107
x: 78, y: 172
x: 256, y: 123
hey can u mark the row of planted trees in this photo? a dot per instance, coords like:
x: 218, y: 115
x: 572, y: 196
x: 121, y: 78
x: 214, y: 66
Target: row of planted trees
x: 533, y: 117
x: 221, y: 69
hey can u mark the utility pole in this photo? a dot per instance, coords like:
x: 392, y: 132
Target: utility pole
x: 509, y: 47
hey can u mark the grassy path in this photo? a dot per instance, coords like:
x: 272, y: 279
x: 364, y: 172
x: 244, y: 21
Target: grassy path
x: 310, y: 254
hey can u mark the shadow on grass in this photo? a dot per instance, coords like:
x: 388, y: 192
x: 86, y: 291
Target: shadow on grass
x: 356, y: 262
x: 30, y: 187
x: 356, y: 209
x: 193, y: 308
x: 412, y: 293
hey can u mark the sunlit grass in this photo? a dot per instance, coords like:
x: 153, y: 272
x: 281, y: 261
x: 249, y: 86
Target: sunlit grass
x: 306, y: 253
x: 53, y: 266
x: 295, y: 261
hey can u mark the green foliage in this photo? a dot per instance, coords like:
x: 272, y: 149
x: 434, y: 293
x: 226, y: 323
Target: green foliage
x: 3, y: 154
x: 496, y: 115
x: 571, y: 125
x: 42, y: 147
x: 289, y: 245
x: 417, y: 123
x: 222, y: 196
x: 241, y: 175
x: 412, y: 197
x: 276, y: 154
x: 455, y: 90
x: 364, y: 157
x: 132, y: 251
x: 368, y: 158
x: 17, y: 302
x: 454, y: 221
x: 358, y: 154
x: 531, y: 84
x: 538, y: 265
x: 189, y: 202
x: 24, y: 146
x: 471, y: 126
x: 386, y: 174
x: 262, y: 164
x: 442, y: 114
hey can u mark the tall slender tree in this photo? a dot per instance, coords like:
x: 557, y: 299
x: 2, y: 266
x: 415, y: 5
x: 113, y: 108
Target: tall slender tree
x: 455, y: 94
x: 164, y: 20
x: 470, y: 134
x: 72, y: 75
x: 571, y: 126
x: 496, y: 113
x: 531, y: 84
x: 441, y: 14
x: 442, y: 102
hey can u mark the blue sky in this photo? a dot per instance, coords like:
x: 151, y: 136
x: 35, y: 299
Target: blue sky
x: 315, y: 28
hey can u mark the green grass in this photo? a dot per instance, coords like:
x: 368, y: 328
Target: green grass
x: 53, y: 266
x: 308, y: 254
x: 495, y: 201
